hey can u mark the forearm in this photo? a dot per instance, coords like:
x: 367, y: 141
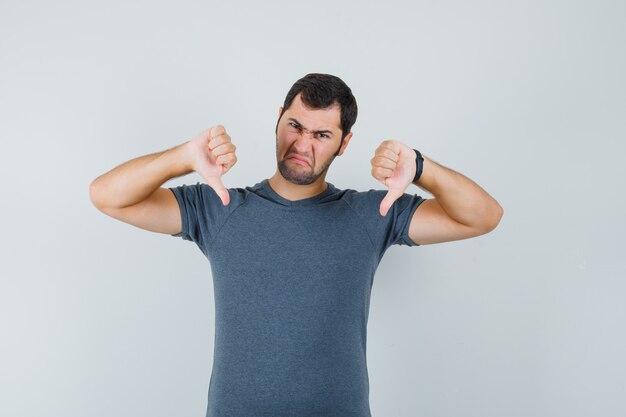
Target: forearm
x: 460, y: 197
x: 135, y: 180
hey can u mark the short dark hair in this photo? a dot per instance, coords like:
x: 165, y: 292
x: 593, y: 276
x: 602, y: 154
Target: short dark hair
x: 320, y: 91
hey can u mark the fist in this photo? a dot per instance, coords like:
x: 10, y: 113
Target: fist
x: 393, y: 165
x: 212, y: 154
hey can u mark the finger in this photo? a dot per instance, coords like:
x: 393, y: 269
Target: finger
x: 218, y: 140
x: 388, y: 153
x: 216, y: 184
x: 223, y: 149
x: 383, y: 161
x: 381, y: 174
x: 227, y: 160
x: 390, y: 198
x: 217, y: 130
x: 392, y: 145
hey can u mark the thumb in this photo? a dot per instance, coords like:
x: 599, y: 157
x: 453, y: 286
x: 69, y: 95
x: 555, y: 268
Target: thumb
x: 390, y: 198
x: 216, y: 184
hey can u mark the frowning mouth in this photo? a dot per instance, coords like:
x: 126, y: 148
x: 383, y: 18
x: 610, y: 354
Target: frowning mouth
x: 302, y: 161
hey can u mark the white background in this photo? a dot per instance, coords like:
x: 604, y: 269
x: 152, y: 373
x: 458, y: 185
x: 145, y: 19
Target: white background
x: 527, y: 98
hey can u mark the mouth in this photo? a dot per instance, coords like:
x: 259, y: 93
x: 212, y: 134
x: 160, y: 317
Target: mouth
x: 299, y: 160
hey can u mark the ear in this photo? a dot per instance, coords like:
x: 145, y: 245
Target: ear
x: 345, y: 143
x: 280, y: 111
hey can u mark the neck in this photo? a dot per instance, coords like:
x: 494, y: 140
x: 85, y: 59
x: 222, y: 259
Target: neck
x: 294, y: 192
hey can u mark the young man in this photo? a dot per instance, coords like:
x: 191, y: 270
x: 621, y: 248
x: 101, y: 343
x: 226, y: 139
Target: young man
x: 293, y: 257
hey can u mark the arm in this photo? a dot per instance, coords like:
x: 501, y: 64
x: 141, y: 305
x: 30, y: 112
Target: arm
x: 131, y: 192
x: 461, y: 208
x: 135, y: 180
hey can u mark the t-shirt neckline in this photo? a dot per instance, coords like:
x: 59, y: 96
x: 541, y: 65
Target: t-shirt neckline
x: 303, y: 202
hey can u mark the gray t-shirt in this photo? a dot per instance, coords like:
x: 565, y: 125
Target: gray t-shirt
x: 292, y: 283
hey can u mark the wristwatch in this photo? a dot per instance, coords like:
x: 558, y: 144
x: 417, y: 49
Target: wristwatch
x: 419, y: 161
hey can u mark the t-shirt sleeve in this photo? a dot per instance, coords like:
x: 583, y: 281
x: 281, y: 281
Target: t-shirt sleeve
x: 202, y: 212
x: 391, y: 229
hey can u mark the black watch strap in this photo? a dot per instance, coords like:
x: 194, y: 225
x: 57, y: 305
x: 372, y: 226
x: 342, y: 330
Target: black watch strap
x: 420, y: 165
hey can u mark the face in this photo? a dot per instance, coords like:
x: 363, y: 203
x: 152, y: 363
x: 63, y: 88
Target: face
x: 313, y: 136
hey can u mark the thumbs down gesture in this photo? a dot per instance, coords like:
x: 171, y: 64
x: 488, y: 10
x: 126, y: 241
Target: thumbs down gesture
x: 393, y: 165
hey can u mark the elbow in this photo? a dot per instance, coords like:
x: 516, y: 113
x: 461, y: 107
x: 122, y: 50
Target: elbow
x: 491, y: 219
x: 495, y: 218
x: 93, y: 194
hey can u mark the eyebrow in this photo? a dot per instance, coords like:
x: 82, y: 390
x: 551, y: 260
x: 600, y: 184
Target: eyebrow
x: 317, y: 131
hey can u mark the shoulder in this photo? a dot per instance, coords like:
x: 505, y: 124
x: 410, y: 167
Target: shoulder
x: 365, y: 201
x: 365, y: 204
x: 203, y: 194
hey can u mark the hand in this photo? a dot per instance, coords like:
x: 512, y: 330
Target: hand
x: 212, y: 154
x: 394, y: 165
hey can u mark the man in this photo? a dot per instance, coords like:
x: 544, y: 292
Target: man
x: 293, y: 257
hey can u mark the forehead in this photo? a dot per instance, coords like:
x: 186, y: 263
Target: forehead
x: 315, y: 119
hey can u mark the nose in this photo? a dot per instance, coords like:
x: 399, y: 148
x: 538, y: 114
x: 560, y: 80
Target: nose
x: 302, y: 147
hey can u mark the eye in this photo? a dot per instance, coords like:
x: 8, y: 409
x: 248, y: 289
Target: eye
x: 324, y: 135
x: 294, y: 125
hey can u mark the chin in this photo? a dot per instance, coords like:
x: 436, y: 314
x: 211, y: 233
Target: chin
x: 299, y: 178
